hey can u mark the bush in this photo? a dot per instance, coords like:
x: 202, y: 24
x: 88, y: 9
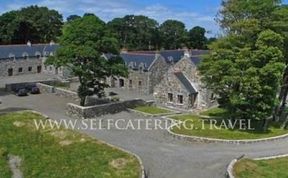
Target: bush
x: 115, y: 99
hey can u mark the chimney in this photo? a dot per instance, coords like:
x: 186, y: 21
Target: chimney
x: 52, y: 43
x: 187, y: 52
x: 124, y: 50
x: 29, y: 43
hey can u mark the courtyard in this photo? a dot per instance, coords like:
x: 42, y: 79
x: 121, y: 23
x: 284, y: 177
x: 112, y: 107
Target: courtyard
x: 162, y: 155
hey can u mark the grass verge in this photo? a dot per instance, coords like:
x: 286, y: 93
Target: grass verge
x: 273, y: 168
x: 215, y: 112
x: 4, y: 168
x: 51, y: 153
x: 197, y: 126
x: 151, y: 110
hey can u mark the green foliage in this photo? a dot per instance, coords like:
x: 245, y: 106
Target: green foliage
x: 197, y: 39
x: 135, y: 32
x: 173, y: 34
x: 246, y: 66
x: 83, y: 43
x: 37, y: 24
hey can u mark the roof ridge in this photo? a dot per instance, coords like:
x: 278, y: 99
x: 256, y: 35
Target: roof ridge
x: 143, y: 54
x: 38, y: 44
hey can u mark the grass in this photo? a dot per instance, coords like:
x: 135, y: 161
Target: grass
x: 50, y: 153
x: 261, y: 169
x: 216, y: 112
x: 4, y: 168
x: 152, y: 110
x: 203, y: 128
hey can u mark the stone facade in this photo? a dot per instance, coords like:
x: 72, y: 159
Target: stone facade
x: 172, y: 92
x: 29, y: 59
x: 12, y: 67
x: 141, y: 79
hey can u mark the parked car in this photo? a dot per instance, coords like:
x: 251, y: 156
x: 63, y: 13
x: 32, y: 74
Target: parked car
x: 35, y: 90
x: 22, y: 92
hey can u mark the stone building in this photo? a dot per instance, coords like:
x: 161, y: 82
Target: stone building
x: 27, y: 59
x: 145, y: 72
x: 181, y: 86
x: 146, y: 69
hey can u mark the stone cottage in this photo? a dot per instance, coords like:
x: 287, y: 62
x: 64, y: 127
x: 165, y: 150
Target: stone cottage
x: 181, y: 86
x: 145, y: 72
x: 146, y: 69
x: 27, y: 59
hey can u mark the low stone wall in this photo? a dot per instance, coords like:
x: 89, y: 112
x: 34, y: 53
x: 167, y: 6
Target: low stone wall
x: 215, y: 140
x: 12, y: 87
x: 80, y: 112
x: 44, y: 88
x: 66, y: 93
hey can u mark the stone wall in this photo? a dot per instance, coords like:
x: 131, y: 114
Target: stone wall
x: 44, y: 88
x: 12, y: 87
x: 170, y: 84
x: 148, y: 79
x: 20, y: 66
x: 79, y: 112
x: 157, y: 72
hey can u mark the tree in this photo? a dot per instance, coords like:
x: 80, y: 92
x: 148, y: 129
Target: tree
x: 72, y: 17
x: 197, y: 39
x: 135, y: 32
x: 83, y: 43
x: 246, y: 66
x: 33, y: 23
x: 7, y: 27
x: 173, y: 34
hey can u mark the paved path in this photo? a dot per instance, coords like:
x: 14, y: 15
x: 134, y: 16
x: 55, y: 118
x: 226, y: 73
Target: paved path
x: 163, y: 156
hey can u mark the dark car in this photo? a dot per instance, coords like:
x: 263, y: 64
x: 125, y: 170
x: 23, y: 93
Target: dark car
x: 35, y: 90
x: 22, y: 92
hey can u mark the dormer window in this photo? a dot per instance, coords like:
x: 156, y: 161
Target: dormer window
x: 38, y: 55
x: 170, y: 59
x: 11, y: 56
x: 25, y: 55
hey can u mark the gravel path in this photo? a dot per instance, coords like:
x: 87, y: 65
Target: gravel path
x: 163, y: 156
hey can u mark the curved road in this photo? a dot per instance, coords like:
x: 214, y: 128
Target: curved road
x: 162, y: 155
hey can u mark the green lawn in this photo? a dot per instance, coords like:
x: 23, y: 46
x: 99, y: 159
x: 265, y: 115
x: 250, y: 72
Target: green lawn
x: 262, y: 169
x: 216, y: 112
x: 151, y: 110
x: 4, y: 168
x: 201, y: 127
x: 61, y: 153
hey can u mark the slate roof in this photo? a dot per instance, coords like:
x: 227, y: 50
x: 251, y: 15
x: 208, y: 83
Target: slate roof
x: 172, y: 55
x: 185, y: 82
x: 135, y: 60
x: 6, y: 51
